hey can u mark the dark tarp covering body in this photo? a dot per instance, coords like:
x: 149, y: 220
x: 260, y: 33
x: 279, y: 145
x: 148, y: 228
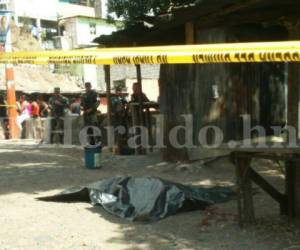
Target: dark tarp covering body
x: 144, y: 198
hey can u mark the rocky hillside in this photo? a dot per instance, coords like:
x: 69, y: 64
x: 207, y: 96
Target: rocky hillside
x: 23, y: 40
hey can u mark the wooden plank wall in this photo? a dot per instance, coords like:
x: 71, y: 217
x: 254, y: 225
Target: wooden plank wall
x: 255, y: 89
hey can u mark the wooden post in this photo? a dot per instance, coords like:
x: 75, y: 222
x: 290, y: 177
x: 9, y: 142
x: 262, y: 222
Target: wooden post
x: 238, y: 187
x: 140, y: 121
x: 134, y: 117
x: 148, y: 121
x: 244, y: 191
x: 189, y: 33
x: 289, y: 189
x: 139, y: 81
x: 293, y: 173
x: 108, y: 96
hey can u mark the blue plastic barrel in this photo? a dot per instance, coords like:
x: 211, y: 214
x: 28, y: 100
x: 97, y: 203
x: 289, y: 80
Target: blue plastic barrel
x: 92, y: 157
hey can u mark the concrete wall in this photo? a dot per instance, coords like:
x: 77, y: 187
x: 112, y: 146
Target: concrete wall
x: 79, y: 28
x: 68, y: 10
x: 83, y: 29
x: 36, y: 9
x: 70, y: 26
x: 90, y: 75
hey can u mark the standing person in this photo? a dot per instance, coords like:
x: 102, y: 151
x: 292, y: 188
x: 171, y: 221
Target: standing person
x: 3, y: 117
x: 36, y: 121
x: 75, y: 106
x: 119, y: 118
x: 58, y: 105
x: 24, y: 110
x: 135, y: 97
x: 44, y: 112
x: 43, y: 106
x: 90, y: 103
x: 29, y: 106
x: 137, y: 109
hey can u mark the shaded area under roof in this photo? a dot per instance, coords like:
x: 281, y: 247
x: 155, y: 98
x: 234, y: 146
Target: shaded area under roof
x: 168, y: 28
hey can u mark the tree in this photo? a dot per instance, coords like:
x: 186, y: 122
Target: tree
x: 136, y: 10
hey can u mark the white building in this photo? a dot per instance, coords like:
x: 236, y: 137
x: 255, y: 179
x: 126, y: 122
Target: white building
x: 79, y: 32
x: 43, y: 15
x: 82, y: 30
x: 51, y: 10
x: 64, y: 24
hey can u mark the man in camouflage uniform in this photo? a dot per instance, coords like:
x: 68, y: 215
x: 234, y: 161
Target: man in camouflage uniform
x: 90, y: 103
x: 58, y: 105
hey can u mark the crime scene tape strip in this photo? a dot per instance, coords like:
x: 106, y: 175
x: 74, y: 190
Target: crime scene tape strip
x: 9, y: 106
x: 187, y: 54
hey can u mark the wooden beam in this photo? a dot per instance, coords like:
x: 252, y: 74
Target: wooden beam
x: 266, y: 186
x: 289, y: 188
x: 293, y: 95
x: 140, y: 85
x: 293, y: 172
x: 108, y: 96
x: 205, y: 14
x: 244, y: 190
x: 189, y: 33
x: 140, y: 150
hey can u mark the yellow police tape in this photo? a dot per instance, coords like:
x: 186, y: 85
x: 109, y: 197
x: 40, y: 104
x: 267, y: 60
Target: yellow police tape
x: 10, y: 106
x: 189, y: 54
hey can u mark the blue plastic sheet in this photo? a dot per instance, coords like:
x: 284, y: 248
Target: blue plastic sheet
x: 144, y: 198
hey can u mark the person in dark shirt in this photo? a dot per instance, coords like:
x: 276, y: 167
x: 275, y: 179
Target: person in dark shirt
x: 3, y: 109
x: 135, y: 100
x: 75, y: 106
x: 58, y: 105
x: 3, y: 117
x: 89, y: 104
x: 135, y: 97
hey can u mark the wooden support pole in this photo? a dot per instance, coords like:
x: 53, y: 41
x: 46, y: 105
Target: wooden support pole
x: 244, y: 191
x: 140, y: 86
x: 140, y: 122
x: 293, y: 172
x: 290, y: 189
x: 149, y: 127
x: 189, y: 33
x: 108, y: 96
x: 268, y: 188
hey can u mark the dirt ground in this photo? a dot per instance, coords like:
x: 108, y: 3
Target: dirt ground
x: 28, y: 171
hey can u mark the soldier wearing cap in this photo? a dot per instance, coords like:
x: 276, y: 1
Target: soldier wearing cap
x: 58, y: 105
x: 90, y: 103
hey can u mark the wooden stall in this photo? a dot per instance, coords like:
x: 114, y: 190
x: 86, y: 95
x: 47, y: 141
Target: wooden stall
x: 218, y: 94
